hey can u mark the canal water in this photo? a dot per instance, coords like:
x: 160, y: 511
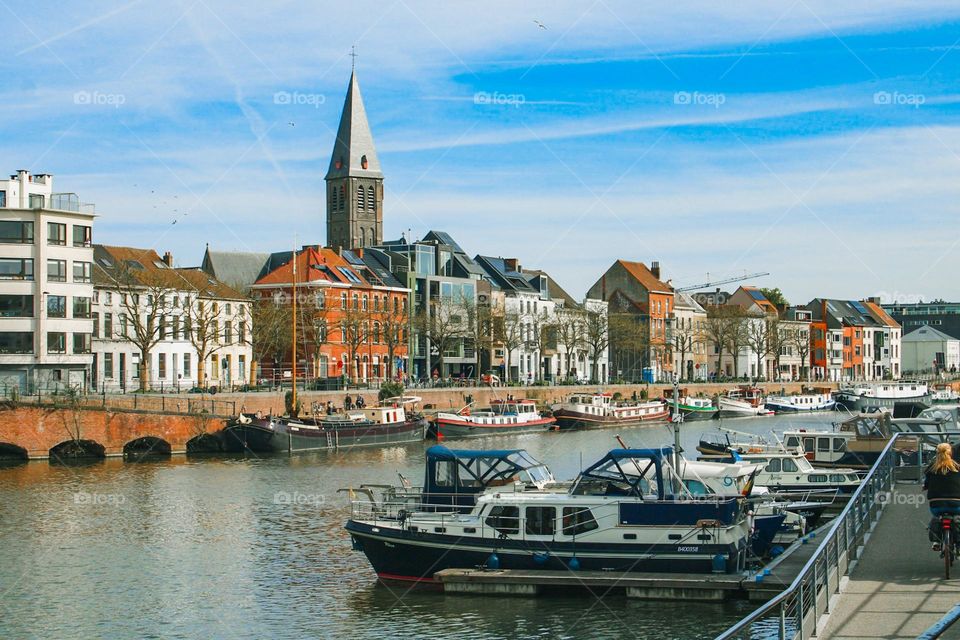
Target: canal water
x: 255, y: 548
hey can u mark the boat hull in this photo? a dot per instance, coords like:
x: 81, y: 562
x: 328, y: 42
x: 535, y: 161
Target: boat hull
x: 403, y: 555
x: 280, y: 435
x: 567, y: 419
x: 446, y: 428
x: 698, y: 414
x: 857, y: 403
x: 778, y: 407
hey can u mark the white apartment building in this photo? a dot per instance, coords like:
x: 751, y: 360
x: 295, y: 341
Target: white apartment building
x: 689, y: 342
x: 46, y: 285
x: 188, y: 300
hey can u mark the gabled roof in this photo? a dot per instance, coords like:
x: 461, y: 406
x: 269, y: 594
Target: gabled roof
x: 125, y: 266
x: 926, y: 333
x: 378, y: 271
x: 684, y: 299
x: 842, y: 313
x: 241, y: 269
x: 645, y: 277
x: 556, y: 291
x: 760, y: 300
x: 499, y: 274
x: 880, y: 315
x: 354, y: 140
x: 314, y: 265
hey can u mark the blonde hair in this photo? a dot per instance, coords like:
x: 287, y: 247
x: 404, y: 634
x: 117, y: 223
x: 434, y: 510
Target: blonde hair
x: 944, y: 462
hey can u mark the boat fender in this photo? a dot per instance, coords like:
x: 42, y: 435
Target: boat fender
x: 574, y: 564
x: 493, y: 562
x: 541, y: 558
x: 242, y: 419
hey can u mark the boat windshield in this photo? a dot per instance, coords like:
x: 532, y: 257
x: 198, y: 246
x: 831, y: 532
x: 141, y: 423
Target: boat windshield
x: 639, y: 473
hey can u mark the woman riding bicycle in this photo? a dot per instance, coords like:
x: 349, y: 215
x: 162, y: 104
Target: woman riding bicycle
x: 941, y: 481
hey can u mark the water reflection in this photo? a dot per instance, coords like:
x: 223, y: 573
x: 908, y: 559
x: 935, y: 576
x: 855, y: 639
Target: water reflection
x: 252, y: 547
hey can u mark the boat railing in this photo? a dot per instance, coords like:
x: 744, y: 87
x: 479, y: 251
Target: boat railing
x: 794, y: 612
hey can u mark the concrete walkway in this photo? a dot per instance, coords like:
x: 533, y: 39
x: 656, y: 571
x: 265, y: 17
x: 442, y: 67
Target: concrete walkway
x: 897, y: 590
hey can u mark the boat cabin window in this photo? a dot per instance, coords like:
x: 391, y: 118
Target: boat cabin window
x: 695, y: 487
x: 540, y: 521
x: 789, y: 466
x: 577, y: 520
x: 817, y: 477
x: 838, y: 477
x: 446, y: 473
x: 793, y: 441
x: 808, y: 445
x: 839, y: 444
x: 823, y: 444
x: 505, y: 519
x: 773, y: 466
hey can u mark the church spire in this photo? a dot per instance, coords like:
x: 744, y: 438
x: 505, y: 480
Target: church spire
x: 353, y: 151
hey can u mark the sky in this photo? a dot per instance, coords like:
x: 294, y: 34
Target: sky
x: 815, y: 141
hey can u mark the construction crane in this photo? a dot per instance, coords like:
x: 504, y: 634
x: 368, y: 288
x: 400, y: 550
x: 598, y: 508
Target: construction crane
x: 745, y: 276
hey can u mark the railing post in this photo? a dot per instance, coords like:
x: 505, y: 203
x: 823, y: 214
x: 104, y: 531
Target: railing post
x: 800, y: 612
x: 783, y: 620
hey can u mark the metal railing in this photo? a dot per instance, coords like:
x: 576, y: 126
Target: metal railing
x: 794, y: 612
x: 63, y: 397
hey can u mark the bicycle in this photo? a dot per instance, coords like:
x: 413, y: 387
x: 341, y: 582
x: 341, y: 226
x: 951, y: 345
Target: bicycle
x: 949, y: 547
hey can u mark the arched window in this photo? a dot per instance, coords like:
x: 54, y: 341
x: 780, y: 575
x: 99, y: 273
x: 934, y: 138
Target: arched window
x: 376, y: 332
x: 343, y: 299
x: 396, y: 305
x: 361, y: 197
x: 356, y: 301
x: 363, y: 237
x: 373, y: 235
x: 364, y: 302
x: 371, y: 199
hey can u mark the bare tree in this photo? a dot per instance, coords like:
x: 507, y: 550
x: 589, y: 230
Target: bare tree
x: 272, y: 328
x: 800, y: 339
x: 355, y: 332
x: 508, y: 328
x: 685, y: 339
x: 596, y: 337
x: 202, y: 327
x: 145, y: 299
x: 758, y: 339
x: 779, y: 334
x: 629, y: 339
x: 444, y: 324
x: 393, y: 324
x: 725, y: 329
x: 570, y: 332
x: 737, y: 337
x: 544, y: 325
x: 480, y: 329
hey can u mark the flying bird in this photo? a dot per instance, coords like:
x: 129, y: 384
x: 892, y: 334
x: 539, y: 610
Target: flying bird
x: 540, y: 24
x: 291, y: 124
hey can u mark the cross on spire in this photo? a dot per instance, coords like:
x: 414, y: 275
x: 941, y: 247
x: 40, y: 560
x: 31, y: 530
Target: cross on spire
x: 353, y: 54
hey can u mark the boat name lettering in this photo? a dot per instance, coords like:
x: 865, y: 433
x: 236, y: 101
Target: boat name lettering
x: 688, y: 549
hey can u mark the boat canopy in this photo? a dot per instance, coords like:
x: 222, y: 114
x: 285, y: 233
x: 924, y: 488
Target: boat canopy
x: 628, y: 472
x: 455, y: 476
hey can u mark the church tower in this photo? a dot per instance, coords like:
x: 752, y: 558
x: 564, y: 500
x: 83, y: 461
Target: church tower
x: 354, y: 180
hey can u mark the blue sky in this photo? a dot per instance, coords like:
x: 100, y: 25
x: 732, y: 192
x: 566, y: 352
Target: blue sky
x: 812, y: 141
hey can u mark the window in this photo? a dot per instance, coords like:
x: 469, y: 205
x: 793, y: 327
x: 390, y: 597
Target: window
x: 15, y: 231
x: 505, y: 519
x: 16, y: 269
x: 364, y: 303
x: 56, y: 270
x: 371, y: 199
x: 81, y: 307
x: 16, y: 342
x: 107, y: 297
x: 3, y: 198
x: 540, y: 521
x: 577, y: 520
x: 162, y: 320
x: 108, y: 325
x: 96, y: 325
x: 773, y: 466
x: 13, y: 306
x: 82, y: 271
x: 36, y: 201
x: 228, y: 332
x: 793, y: 441
x: 361, y: 197
x: 343, y: 300
x: 242, y: 332
x: 82, y: 236
x: 320, y: 300
x: 108, y: 365
x: 161, y: 365
x: 175, y: 323
x: 56, y: 306
x: 817, y: 477
x: 81, y: 343
x: 789, y: 466
x: 57, y: 233
x: 56, y: 342
x: 839, y: 444
x: 823, y: 444
x: 186, y: 365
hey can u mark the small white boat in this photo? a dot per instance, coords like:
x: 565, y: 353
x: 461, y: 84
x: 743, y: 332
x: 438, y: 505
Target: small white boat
x: 801, y: 402
x: 734, y: 408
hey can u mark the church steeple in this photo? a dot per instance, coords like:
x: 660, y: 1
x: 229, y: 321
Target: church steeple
x: 354, y: 180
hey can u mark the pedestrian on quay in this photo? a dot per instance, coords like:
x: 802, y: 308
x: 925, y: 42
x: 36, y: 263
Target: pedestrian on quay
x: 347, y: 404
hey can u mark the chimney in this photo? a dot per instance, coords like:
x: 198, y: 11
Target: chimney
x: 168, y: 259
x: 655, y: 269
x: 873, y: 299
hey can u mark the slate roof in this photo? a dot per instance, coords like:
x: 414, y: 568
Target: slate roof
x: 314, y: 265
x: 555, y: 290
x: 240, y: 269
x: 683, y: 299
x: 112, y: 266
x: 496, y: 271
x: 880, y: 315
x: 842, y: 312
x: 354, y: 140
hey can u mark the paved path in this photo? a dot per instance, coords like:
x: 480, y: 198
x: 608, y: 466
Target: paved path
x: 897, y: 590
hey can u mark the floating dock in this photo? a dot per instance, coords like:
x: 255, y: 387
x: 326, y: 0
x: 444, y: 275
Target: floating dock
x: 709, y: 587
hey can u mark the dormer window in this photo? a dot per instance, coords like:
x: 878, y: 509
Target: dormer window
x: 338, y: 163
x: 363, y: 162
